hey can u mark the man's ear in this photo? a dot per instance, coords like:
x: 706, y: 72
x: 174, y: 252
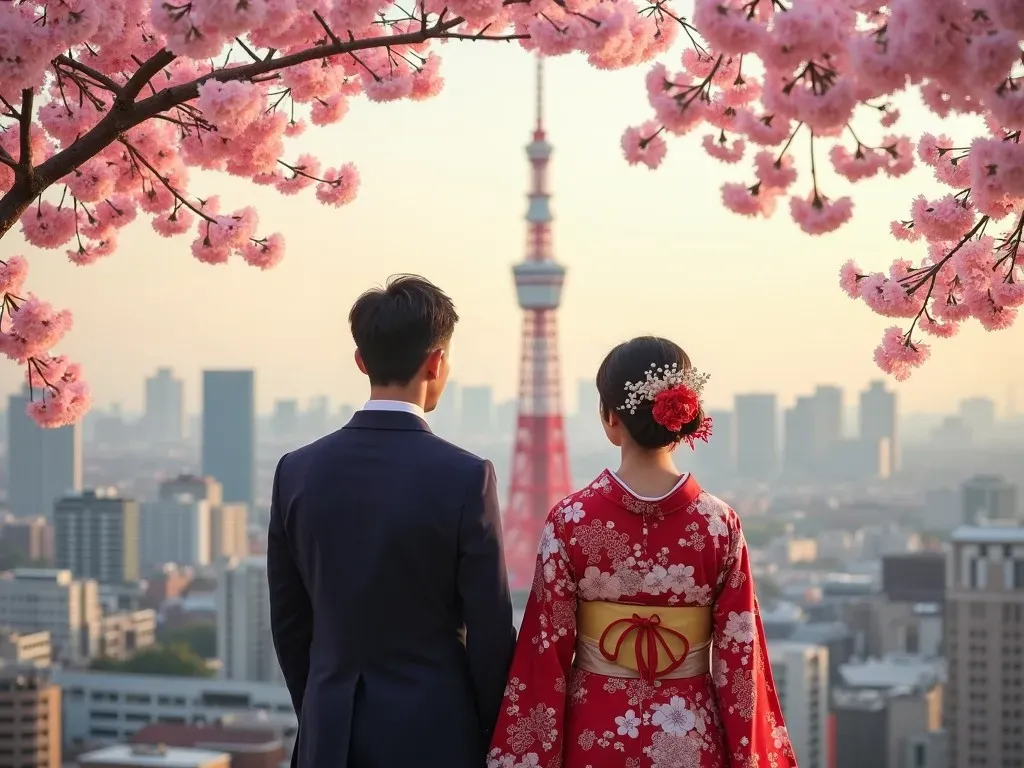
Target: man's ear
x: 432, y: 366
x: 359, y: 362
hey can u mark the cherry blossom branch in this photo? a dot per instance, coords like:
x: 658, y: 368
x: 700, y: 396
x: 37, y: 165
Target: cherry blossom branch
x: 170, y: 187
x: 126, y: 113
x: 930, y: 273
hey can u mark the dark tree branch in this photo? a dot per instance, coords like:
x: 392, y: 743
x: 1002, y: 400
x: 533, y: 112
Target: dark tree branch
x: 142, y: 76
x: 25, y: 120
x: 101, y: 79
x: 482, y: 36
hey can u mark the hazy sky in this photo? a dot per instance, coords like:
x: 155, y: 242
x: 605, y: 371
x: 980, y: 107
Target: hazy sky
x: 756, y: 304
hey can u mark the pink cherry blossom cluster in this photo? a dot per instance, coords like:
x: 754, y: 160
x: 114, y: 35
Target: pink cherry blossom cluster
x: 765, y: 77
x: 106, y: 106
x: 29, y: 329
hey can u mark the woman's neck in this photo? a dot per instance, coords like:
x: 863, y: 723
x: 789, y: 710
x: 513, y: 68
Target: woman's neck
x: 648, y: 473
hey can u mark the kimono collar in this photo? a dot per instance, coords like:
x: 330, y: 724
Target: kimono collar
x: 618, y: 493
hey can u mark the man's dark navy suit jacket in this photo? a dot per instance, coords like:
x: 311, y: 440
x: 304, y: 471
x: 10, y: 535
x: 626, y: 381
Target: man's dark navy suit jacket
x: 384, y: 545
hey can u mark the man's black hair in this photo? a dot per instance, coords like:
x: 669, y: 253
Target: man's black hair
x: 396, y: 327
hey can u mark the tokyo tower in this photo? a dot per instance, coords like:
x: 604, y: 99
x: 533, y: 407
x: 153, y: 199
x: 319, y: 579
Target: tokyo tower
x: 540, y: 467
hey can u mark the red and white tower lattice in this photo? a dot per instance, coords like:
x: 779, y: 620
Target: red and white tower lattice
x: 540, y: 466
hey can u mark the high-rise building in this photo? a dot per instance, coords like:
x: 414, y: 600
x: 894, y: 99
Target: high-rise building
x: 229, y: 523
x: 285, y: 422
x: 756, y: 436
x: 31, y: 727
x: 229, y: 432
x: 229, y: 531
x: 97, y: 536
x: 828, y: 416
x: 31, y: 536
x: 800, y: 436
x: 985, y: 646
x: 985, y: 497
x: 800, y: 671
x: 878, y: 420
x: 719, y: 455
x: 174, y: 531
x: 164, y: 418
x: 42, y: 464
x: 540, y: 465
x: 47, y: 600
x: 979, y: 414
x: 477, y: 417
x: 245, y: 645
x: 445, y: 420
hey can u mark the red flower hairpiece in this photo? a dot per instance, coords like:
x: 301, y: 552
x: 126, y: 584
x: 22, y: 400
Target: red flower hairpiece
x: 675, y: 407
x: 675, y: 395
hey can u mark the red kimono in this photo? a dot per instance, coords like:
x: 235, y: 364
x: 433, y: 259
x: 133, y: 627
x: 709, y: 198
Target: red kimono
x: 612, y: 670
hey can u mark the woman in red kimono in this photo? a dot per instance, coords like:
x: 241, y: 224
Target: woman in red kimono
x: 641, y: 646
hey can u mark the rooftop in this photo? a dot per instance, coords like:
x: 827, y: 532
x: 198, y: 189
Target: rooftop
x: 139, y: 756
x: 897, y: 671
x: 229, y: 739
x: 988, y: 534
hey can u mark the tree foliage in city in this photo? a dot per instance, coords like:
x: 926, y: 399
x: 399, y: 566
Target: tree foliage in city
x: 172, y: 660
x: 105, y: 105
x: 199, y: 637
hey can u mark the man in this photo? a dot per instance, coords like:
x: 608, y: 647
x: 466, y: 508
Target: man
x: 389, y: 600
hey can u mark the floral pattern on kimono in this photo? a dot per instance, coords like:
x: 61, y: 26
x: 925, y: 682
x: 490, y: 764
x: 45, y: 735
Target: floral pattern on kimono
x: 604, y: 543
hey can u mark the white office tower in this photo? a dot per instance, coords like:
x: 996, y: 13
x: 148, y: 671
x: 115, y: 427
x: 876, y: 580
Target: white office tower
x: 801, y: 679
x: 244, y: 643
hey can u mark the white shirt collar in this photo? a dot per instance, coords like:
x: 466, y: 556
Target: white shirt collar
x: 394, y: 405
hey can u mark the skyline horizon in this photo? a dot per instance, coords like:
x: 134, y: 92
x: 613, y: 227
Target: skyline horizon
x: 1004, y: 411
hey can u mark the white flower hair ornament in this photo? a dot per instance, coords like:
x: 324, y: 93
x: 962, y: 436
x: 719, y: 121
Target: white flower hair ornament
x: 675, y: 397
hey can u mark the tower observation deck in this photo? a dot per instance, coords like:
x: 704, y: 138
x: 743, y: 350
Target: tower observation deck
x: 540, y: 467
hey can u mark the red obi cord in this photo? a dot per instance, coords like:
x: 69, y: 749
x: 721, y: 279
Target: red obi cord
x: 649, y: 636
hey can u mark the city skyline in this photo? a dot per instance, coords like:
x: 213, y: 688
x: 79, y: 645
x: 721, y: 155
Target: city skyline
x: 755, y: 303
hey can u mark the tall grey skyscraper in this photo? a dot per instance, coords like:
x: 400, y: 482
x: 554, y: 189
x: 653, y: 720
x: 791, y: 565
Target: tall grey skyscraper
x: 97, y: 536
x: 42, y: 464
x: 245, y: 645
x: 828, y: 416
x: 164, y: 419
x: 229, y: 432
x: 878, y: 419
x: 756, y: 436
x: 800, y: 437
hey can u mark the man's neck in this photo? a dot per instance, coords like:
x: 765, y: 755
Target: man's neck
x: 398, y: 395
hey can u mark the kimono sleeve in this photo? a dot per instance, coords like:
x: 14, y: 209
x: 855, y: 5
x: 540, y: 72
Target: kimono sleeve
x: 754, y: 729
x: 531, y: 723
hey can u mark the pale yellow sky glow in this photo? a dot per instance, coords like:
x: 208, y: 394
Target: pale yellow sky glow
x: 756, y: 304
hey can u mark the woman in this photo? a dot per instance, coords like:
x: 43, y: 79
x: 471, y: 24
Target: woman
x: 641, y: 646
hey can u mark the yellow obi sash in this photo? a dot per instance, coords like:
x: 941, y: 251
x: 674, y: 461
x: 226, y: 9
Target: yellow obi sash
x: 639, y: 641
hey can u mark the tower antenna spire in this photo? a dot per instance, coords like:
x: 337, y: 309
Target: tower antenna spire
x: 540, y: 93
